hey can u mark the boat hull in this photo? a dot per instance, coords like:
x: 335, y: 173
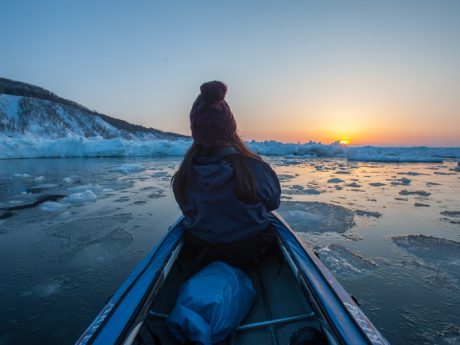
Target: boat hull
x: 122, y: 316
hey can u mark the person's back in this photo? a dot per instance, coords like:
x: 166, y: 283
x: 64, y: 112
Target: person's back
x: 224, y: 190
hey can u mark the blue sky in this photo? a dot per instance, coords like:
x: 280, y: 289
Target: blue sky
x: 375, y: 72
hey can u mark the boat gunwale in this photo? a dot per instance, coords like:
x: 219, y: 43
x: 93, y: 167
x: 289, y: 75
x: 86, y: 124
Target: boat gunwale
x: 327, y: 280
x: 91, y: 333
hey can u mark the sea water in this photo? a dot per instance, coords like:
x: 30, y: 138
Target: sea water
x: 71, y: 230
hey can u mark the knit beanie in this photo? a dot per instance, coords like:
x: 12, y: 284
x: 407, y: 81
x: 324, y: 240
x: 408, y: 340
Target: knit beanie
x: 211, y: 120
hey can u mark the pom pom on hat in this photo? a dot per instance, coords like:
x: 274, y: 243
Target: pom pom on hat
x: 211, y: 120
x: 213, y: 91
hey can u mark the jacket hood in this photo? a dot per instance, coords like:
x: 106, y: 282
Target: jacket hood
x: 210, y: 172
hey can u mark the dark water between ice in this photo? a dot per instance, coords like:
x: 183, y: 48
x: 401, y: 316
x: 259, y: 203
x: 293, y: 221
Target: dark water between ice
x: 389, y: 232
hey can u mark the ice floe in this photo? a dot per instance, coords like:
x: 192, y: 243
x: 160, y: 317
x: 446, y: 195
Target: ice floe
x: 451, y: 216
x: 416, y: 192
x: 301, y: 190
x: 102, y: 249
x: 402, y: 181
x: 353, y: 236
x: 276, y: 148
x: 22, y: 175
x: 51, y: 206
x: 443, y: 173
x: 82, y: 197
x: 7, y: 212
x: 455, y: 214
x: 50, y: 287
x: 128, y: 168
x: 82, y: 188
x: 441, y: 252
x: 411, y: 173
x: 400, y: 154
x: 343, y: 172
x: 377, y: 184
x: 317, y: 217
x: 68, y: 180
x: 92, y: 240
x: 335, y: 180
x: 285, y: 177
x: 344, y: 263
x: 353, y: 184
x: 41, y: 187
x: 363, y: 213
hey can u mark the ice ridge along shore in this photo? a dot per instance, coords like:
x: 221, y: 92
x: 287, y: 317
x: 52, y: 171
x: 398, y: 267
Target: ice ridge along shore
x: 33, y: 146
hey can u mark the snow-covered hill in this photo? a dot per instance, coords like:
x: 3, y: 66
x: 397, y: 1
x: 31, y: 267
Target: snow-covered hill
x: 30, y: 111
x: 35, y: 122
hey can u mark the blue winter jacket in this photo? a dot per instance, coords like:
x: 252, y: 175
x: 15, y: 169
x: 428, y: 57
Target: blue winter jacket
x: 212, y: 210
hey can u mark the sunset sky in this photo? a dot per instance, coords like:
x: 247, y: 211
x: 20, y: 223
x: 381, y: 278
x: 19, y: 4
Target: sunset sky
x: 372, y: 72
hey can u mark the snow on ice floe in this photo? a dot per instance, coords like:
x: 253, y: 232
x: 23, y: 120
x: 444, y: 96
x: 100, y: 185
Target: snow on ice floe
x: 128, y: 168
x: 82, y: 188
x: 68, y: 180
x: 52, y: 206
x: 22, y: 175
x: 82, y: 197
x: 8, y: 212
x: 316, y: 216
x: 344, y: 263
x: 352, y: 236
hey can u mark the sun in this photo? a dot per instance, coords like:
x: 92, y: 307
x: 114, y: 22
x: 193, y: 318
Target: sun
x: 344, y: 141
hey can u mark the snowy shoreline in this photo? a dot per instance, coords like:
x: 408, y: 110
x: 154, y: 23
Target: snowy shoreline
x: 31, y: 146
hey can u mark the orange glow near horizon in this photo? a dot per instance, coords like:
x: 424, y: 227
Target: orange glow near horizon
x: 373, y: 135
x: 356, y: 126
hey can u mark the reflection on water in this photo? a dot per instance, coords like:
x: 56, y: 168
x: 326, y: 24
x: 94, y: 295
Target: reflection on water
x: 71, y: 230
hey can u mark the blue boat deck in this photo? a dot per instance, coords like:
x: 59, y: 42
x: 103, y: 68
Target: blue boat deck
x: 279, y: 297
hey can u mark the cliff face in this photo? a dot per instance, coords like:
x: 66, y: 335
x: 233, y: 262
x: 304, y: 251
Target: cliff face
x: 31, y: 110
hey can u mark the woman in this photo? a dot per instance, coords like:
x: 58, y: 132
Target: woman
x: 224, y: 190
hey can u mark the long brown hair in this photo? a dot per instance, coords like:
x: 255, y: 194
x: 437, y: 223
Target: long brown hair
x: 245, y: 182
